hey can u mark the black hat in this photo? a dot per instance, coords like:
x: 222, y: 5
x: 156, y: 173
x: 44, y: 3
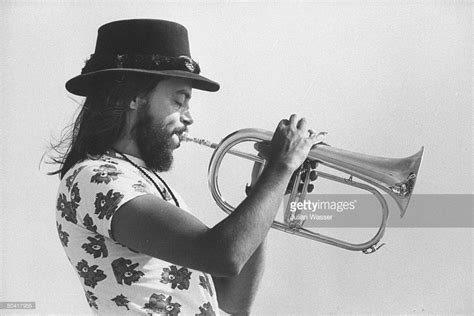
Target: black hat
x: 154, y: 47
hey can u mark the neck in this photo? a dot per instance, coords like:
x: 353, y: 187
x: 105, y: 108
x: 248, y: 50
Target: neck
x: 127, y: 146
x: 125, y: 142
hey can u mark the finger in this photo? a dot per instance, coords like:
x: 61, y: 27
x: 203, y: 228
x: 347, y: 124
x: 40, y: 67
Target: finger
x: 302, y: 124
x: 317, y: 138
x: 282, y: 124
x: 293, y: 120
x: 313, y: 164
x: 310, y: 188
x: 320, y: 137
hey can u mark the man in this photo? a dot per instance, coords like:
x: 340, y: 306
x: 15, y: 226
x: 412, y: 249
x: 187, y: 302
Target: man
x: 130, y: 238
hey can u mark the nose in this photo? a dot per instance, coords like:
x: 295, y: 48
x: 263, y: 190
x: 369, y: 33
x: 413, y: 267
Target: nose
x: 186, y: 118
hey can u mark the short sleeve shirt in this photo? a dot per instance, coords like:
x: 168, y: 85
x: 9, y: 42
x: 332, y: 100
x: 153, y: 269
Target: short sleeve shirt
x: 115, y: 278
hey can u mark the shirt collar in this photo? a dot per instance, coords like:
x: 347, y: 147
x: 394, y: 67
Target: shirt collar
x: 136, y: 160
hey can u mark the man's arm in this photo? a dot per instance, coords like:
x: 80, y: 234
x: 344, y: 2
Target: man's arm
x: 157, y: 228
x: 235, y: 295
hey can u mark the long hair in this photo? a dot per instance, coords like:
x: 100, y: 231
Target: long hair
x: 100, y: 121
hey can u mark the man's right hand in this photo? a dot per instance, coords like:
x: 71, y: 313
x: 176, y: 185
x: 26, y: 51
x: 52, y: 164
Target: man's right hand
x: 291, y: 143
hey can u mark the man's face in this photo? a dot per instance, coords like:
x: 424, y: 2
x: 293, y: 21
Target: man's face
x: 161, y: 123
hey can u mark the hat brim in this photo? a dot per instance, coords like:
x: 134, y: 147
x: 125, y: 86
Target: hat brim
x: 83, y: 84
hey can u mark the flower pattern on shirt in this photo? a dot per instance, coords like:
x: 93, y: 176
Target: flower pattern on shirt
x: 162, y: 305
x: 205, y: 283
x: 125, y: 272
x: 96, y: 246
x: 64, y: 206
x: 71, y: 178
x: 91, y: 298
x: 63, y: 236
x: 115, y: 277
x: 121, y: 300
x: 177, y: 278
x: 89, y: 223
x: 140, y: 186
x: 106, y: 205
x: 91, y: 275
x: 105, y: 174
x: 75, y: 197
x: 206, y: 310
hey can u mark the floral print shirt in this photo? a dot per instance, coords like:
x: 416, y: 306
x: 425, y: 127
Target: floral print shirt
x: 115, y: 278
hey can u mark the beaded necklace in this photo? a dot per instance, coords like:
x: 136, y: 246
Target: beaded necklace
x: 163, y: 193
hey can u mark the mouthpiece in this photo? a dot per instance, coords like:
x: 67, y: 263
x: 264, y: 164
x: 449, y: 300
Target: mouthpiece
x: 204, y: 142
x: 199, y: 141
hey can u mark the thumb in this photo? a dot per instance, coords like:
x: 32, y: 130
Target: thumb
x: 263, y: 149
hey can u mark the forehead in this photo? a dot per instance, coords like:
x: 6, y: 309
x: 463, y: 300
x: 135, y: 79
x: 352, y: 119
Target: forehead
x: 174, y: 87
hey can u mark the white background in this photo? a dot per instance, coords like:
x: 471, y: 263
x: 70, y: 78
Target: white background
x: 384, y: 78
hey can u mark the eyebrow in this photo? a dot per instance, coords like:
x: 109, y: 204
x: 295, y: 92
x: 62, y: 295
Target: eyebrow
x: 185, y: 92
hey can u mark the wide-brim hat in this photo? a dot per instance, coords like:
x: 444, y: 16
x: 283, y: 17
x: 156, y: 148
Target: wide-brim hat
x: 144, y: 46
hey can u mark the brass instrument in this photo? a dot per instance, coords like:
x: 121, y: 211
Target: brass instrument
x: 395, y: 176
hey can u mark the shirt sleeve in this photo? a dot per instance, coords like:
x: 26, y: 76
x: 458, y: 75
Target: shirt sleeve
x: 99, y: 189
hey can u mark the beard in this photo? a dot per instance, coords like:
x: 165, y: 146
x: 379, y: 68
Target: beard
x: 154, y: 143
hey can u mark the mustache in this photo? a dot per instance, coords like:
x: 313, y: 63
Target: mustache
x: 181, y: 130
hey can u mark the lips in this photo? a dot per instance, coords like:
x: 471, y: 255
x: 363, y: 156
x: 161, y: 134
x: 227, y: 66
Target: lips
x: 181, y: 134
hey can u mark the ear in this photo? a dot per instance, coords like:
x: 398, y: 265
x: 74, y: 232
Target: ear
x: 136, y: 103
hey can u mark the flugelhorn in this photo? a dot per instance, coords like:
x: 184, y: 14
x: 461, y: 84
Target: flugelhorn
x: 395, y: 176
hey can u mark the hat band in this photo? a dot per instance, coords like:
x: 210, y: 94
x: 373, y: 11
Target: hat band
x: 140, y: 61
